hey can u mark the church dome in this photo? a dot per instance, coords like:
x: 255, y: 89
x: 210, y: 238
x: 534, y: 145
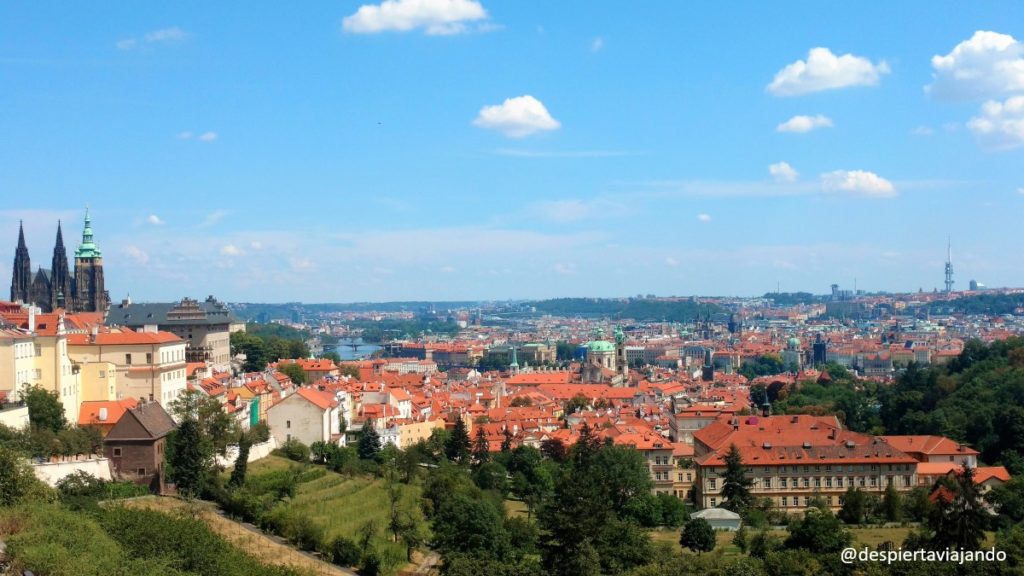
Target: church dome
x: 794, y: 343
x: 600, y: 346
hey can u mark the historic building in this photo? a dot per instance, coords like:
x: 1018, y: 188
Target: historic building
x: 56, y: 288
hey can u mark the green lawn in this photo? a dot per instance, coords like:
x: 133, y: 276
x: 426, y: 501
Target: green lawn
x: 342, y: 505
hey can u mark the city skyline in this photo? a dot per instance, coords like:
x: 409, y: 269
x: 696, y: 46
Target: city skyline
x: 494, y: 150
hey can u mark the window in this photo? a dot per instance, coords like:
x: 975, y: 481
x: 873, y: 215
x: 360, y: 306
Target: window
x: 807, y: 501
x: 861, y: 482
x: 817, y: 468
x: 906, y: 480
x: 828, y: 468
x: 117, y: 452
x: 142, y: 471
x: 828, y: 482
x: 785, y: 501
x: 839, y: 468
x: 817, y: 482
x: 711, y: 484
x: 128, y: 359
x: 807, y: 468
x: 688, y: 477
x: 712, y: 502
x: 783, y: 482
x: 149, y: 357
x: 807, y: 482
x: 288, y: 424
x: 874, y: 481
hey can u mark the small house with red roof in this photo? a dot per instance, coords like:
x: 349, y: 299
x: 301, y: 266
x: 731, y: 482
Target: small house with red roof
x: 309, y: 416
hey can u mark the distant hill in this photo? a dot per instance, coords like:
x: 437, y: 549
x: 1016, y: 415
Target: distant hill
x: 643, y: 309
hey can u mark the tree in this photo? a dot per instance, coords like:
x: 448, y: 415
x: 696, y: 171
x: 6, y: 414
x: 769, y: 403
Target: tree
x: 190, y: 459
x: 819, y: 531
x: 17, y: 482
x: 854, y: 506
x: 369, y: 441
x: 216, y: 425
x: 506, y: 442
x: 740, y: 539
x: 344, y: 552
x: 241, y: 462
x: 521, y: 401
x: 959, y: 517
x: 735, y: 484
x: 333, y: 356
x: 892, y: 504
x: 555, y: 449
x: 44, y: 409
x: 576, y: 403
x: 673, y: 510
x: 698, y: 536
x: 293, y: 371
x: 481, y: 448
x: 457, y: 446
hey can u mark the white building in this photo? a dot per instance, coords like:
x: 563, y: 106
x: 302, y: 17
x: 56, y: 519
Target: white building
x: 308, y: 416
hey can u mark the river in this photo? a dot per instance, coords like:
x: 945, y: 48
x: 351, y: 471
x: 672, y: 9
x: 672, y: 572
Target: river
x: 346, y: 350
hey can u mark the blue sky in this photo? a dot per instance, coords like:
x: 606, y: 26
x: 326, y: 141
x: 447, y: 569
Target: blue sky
x: 453, y: 149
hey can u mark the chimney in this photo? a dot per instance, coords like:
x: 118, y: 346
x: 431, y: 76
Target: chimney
x: 93, y: 333
x: 31, y: 318
x: 103, y: 414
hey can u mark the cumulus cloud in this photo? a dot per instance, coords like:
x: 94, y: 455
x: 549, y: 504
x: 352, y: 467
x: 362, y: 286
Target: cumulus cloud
x: 517, y: 117
x: 823, y: 70
x: 230, y: 250
x: 1000, y: 125
x: 154, y: 220
x: 137, y: 254
x: 782, y: 172
x: 802, y: 124
x: 923, y: 131
x: 436, y: 17
x: 989, y: 64
x: 162, y: 36
x: 208, y: 136
x: 858, y: 182
x: 704, y: 217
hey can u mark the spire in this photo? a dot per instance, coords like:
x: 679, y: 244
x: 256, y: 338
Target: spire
x: 87, y: 249
x: 60, y: 237
x: 21, y: 235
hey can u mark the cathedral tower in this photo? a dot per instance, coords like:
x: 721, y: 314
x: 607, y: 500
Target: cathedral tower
x: 89, y: 292
x: 21, y: 277
x: 60, y: 277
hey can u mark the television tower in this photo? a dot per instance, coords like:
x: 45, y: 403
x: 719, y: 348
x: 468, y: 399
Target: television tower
x: 949, y: 266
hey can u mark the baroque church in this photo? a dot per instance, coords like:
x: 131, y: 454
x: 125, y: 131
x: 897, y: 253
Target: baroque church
x: 56, y: 287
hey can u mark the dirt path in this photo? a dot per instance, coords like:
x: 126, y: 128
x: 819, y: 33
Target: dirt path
x: 426, y: 564
x: 267, y: 549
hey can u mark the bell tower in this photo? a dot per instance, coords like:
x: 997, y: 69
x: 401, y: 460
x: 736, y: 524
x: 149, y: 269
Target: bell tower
x: 89, y: 292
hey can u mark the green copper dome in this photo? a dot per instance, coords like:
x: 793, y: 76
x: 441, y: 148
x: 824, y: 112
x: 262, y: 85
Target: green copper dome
x: 87, y: 249
x: 600, y: 346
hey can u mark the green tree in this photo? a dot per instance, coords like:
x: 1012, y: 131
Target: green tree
x: 506, y: 442
x: 819, y: 531
x: 854, y: 507
x: 892, y: 504
x: 369, y: 441
x: 740, y: 539
x: 481, y: 448
x: 735, y: 484
x: 293, y: 371
x: 17, y: 481
x: 959, y: 517
x: 457, y: 446
x: 216, y: 425
x: 673, y: 510
x: 190, y: 459
x: 576, y: 403
x: 241, y: 462
x: 44, y: 409
x: 698, y: 536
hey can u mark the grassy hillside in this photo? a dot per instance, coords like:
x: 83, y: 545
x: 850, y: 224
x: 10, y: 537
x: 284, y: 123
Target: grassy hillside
x: 342, y: 505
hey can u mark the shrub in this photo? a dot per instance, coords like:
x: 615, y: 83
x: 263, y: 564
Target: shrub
x: 344, y: 552
x: 295, y: 450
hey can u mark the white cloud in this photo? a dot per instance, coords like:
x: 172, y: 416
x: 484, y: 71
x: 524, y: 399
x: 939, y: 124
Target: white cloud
x: 154, y: 220
x: 858, y: 182
x: 563, y: 269
x: 214, y: 217
x: 172, y: 34
x: 137, y: 254
x: 704, y: 217
x: 574, y: 210
x: 782, y: 172
x: 923, y: 131
x: 987, y: 65
x: 804, y: 124
x: 208, y: 136
x: 597, y: 44
x: 186, y: 135
x: 1020, y: 191
x: 162, y: 36
x: 437, y: 17
x: 671, y: 261
x: 1001, y: 124
x: 517, y: 117
x: 256, y: 245
x: 823, y: 70
x: 231, y: 250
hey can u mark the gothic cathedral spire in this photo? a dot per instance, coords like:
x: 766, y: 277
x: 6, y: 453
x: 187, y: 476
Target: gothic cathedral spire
x: 21, y: 277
